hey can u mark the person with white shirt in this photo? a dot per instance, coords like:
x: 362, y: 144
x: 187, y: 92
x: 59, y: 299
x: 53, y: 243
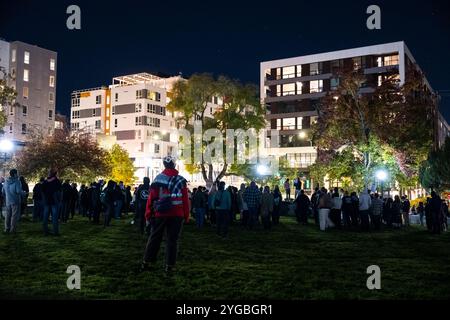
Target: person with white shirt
x: 365, y: 202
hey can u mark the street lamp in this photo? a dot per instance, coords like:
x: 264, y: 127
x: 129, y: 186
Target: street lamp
x: 262, y: 170
x: 6, y: 146
x: 381, y: 175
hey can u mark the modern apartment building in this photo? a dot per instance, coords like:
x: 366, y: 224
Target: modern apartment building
x: 132, y: 110
x: 291, y: 89
x: 33, y: 75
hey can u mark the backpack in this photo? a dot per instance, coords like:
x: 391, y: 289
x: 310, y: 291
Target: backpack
x: 164, y: 202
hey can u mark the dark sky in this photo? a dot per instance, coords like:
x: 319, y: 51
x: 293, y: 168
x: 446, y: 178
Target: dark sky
x: 222, y: 37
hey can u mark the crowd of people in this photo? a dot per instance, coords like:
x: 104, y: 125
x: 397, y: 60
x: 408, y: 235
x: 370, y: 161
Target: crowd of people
x: 161, y: 206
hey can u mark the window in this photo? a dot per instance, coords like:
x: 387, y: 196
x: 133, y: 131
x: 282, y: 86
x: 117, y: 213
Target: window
x: 10, y: 128
x: 278, y: 90
x: 24, y: 128
x: 138, y: 107
x: 98, y: 124
x: 13, y: 73
x: 299, y: 70
x: 13, y: 55
x: 156, y: 148
x: 288, y: 72
x: 215, y: 100
x: 288, y: 89
x: 24, y: 110
x: 76, y: 114
x: 152, y: 95
x: 116, y: 123
x: 140, y: 94
x: 51, y: 97
x: 11, y: 110
x: 26, y: 57
x: 113, y: 110
x: 299, y: 123
x: 380, y: 80
x: 75, y: 125
x: 94, y: 112
x: 316, y: 86
x: 52, y: 64
x: 25, y: 92
x: 315, y: 68
x: 52, y: 81
x: 289, y: 124
x: 357, y: 63
x: 50, y: 114
x: 154, y: 122
x: 391, y: 60
x: 98, y: 99
x: 334, y: 83
x: 138, y: 134
x: 26, y: 74
x: 313, y: 120
x: 75, y: 100
x: 299, y: 87
x: 336, y: 65
x: 279, y: 124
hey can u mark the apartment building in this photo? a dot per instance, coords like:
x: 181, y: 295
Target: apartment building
x: 292, y: 88
x: 33, y: 75
x: 133, y: 111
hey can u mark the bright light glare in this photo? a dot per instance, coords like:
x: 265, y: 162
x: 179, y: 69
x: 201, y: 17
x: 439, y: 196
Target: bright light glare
x: 302, y: 135
x: 262, y: 169
x: 381, y: 175
x: 6, y: 145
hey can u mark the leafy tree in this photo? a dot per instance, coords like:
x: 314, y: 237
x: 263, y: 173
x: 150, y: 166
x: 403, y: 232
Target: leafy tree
x: 393, y: 120
x: 435, y: 171
x: 122, y: 168
x: 241, y: 109
x: 7, y: 97
x: 76, y: 156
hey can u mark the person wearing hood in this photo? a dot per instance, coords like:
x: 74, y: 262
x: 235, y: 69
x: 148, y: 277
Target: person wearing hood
x: 141, y: 203
x: 12, y: 193
x: 51, y: 191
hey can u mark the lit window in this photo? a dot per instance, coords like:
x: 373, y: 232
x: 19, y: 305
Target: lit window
x: 278, y: 73
x: 26, y: 57
x: 279, y: 124
x: 288, y: 89
x: 107, y: 112
x: 289, y: 72
x: 289, y: 124
x: 51, y: 97
x: 52, y: 81
x: 316, y: 86
x: 52, y: 64
x: 25, y: 92
x: 26, y: 74
x: 299, y: 71
x: 13, y: 55
x: 379, y: 62
x: 391, y: 60
x: 380, y: 80
x: 299, y: 123
x: 278, y: 90
x: 357, y: 63
x: 299, y: 87
x: 108, y: 99
x: 314, y: 69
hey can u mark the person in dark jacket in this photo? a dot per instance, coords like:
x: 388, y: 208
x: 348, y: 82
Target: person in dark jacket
x: 302, y: 207
x: 277, y: 198
x: 25, y: 193
x: 128, y: 199
x: 38, y: 207
x: 66, y: 199
x: 110, y: 198
x: 73, y: 199
x: 141, y: 203
x: 84, y: 200
x: 199, y: 205
x: 436, y: 213
x: 51, y: 190
x: 396, y: 213
x: 95, y: 204
x: 347, y: 209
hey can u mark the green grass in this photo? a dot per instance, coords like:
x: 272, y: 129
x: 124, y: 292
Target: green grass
x: 289, y: 262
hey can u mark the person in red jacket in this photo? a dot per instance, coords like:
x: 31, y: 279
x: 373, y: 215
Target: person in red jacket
x: 167, y: 208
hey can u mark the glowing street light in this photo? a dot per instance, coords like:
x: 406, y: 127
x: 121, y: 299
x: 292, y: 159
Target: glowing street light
x: 6, y: 145
x: 262, y: 170
x: 381, y: 175
x: 302, y: 135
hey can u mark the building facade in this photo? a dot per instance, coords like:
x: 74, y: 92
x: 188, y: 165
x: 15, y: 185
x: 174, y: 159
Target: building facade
x: 292, y: 88
x: 33, y: 75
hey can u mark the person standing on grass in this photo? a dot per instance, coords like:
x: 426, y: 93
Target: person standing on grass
x: 222, y: 207
x: 37, y: 201
x: 396, y: 213
x: 405, y: 210
x: 12, y: 193
x: 302, y: 207
x: 73, y: 200
x: 287, y: 187
x: 243, y: 208
x: 167, y: 209
x: 346, y: 209
x: 141, y: 203
x: 108, y: 197
x: 199, y: 203
x: 252, y: 197
x: 24, y: 200
x: 315, y: 204
x: 66, y: 200
x: 365, y: 201
x: 376, y: 210
x: 421, y: 212
x: 436, y: 213
x: 355, y: 209
x: 51, y: 190
x: 276, y: 206
x: 324, y: 207
x: 266, y: 207
x: 335, y: 212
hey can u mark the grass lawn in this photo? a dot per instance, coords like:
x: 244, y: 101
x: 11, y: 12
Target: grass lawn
x: 289, y: 262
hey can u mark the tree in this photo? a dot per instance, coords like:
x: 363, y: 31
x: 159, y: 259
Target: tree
x: 7, y: 97
x: 395, y: 118
x: 122, y: 168
x: 75, y: 155
x: 241, y: 109
x: 435, y: 171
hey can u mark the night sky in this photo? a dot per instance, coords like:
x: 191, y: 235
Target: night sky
x: 226, y: 37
